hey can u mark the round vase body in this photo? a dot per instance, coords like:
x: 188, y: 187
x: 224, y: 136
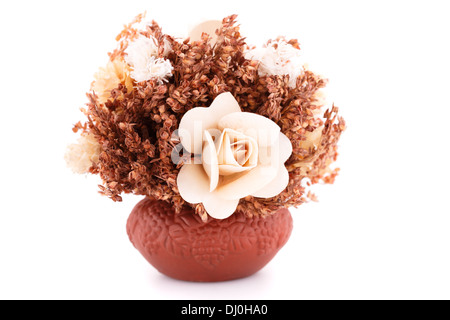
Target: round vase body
x: 184, y: 247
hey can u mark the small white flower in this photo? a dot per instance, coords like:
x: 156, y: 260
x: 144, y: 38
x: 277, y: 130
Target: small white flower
x: 109, y: 78
x: 278, y: 58
x: 142, y: 56
x: 82, y: 155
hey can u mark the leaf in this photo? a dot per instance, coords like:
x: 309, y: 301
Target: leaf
x: 177, y: 241
x: 243, y: 237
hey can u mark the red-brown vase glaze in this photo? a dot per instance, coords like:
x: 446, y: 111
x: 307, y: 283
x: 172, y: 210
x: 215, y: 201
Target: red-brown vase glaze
x: 184, y: 247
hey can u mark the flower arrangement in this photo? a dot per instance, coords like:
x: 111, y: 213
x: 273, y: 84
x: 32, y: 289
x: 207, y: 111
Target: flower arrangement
x: 209, y: 123
x: 152, y: 86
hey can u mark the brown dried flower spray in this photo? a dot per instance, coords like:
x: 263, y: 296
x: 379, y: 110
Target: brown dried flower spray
x: 135, y: 126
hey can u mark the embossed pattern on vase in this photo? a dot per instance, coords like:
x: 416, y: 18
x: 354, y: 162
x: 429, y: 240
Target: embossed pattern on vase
x: 157, y: 232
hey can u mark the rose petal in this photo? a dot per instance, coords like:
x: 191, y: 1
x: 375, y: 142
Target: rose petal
x: 276, y: 154
x: 266, y: 157
x: 191, y: 130
x: 222, y: 105
x: 284, y: 148
x: 252, y: 160
x: 241, y: 156
x: 262, y: 129
x: 228, y: 156
x: 193, y: 183
x: 197, y: 120
x: 209, y: 160
x: 224, y: 153
x: 248, y: 144
x: 218, y: 207
x: 229, y: 140
x: 241, y: 185
x: 208, y: 27
x: 226, y: 169
x: 276, y: 186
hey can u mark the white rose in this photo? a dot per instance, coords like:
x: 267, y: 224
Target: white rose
x: 242, y: 154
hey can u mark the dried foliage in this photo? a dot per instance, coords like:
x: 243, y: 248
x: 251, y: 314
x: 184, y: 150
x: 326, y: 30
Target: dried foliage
x: 135, y: 128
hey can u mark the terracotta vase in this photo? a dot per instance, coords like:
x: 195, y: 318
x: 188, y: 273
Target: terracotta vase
x: 184, y: 247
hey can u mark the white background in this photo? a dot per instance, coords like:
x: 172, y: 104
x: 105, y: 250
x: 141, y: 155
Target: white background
x: 381, y: 232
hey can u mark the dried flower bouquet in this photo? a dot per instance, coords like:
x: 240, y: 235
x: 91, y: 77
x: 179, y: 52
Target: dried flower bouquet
x: 208, y: 123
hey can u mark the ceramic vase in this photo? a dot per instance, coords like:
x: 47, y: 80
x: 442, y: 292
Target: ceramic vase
x: 184, y: 247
